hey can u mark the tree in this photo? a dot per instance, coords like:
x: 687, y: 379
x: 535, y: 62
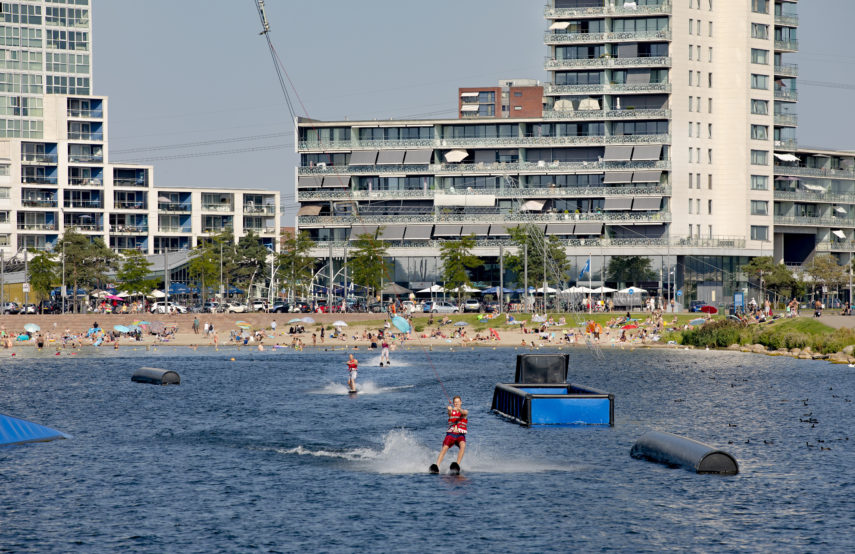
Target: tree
x: 826, y: 271
x: 456, y: 258
x: 537, y: 244
x: 42, y: 274
x: 204, y: 267
x: 295, y: 263
x: 250, y: 258
x: 629, y: 270
x: 86, y: 261
x: 216, y: 252
x: 135, y: 272
x: 759, y: 269
x: 366, y: 265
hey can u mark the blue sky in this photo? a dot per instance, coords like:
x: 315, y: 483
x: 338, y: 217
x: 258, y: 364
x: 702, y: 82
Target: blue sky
x: 193, y: 90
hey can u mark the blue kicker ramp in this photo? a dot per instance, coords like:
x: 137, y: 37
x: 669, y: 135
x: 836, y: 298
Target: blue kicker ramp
x: 19, y: 431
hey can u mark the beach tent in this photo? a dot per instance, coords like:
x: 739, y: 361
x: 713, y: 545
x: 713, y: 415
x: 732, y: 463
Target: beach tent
x: 395, y: 289
x: 495, y: 290
x: 19, y: 431
x: 433, y: 288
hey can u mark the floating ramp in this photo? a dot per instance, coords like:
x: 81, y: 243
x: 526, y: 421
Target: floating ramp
x: 20, y: 431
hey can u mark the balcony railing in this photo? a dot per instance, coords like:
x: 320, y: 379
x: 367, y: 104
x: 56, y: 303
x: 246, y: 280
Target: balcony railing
x: 39, y: 203
x: 811, y: 196
x: 788, y: 144
x: 130, y: 205
x: 786, y: 119
x: 76, y: 135
x: 613, y: 217
x: 787, y: 70
x: 85, y: 114
x: 84, y: 159
x: 629, y: 36
x: 786, y: 94
x: 561, y: 13
x: 132, y: 182
x: 175, y: 229
x: 37, y: 226
x: 815, y: 221
x: 218, y: 229
x: 787, y: 45
x: 79, y: 204
x: 836, y: 246
x: 218, y: 208
x: 34, y: 180
x: 524, y: 192
x: 84, y: 182
x: 605, y: 88
x: 128, y: 229
x: 814, y: 172
x: 264, y: 209
x: 261, y: 230
x: 607, y: 62
x: 174, y: 207
x: 41, y: 159
x: 606, y: 114
x: 85, y: 227
x: 787, y: 20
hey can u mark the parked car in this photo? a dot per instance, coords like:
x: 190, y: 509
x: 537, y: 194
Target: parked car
x: 10, y: 308
x: 234, y: 308
x: 472, y: 305
x: 441, y: 307
x: 29, y: 309
x: 696, y: 305
x: 302, y: 307
x: 258, y: 306
x: 212, y: 307
x: 491, y: 307
x: 167, y: 307
x: 280, y: 308
x: 49, y: 307
x: 376, y: 308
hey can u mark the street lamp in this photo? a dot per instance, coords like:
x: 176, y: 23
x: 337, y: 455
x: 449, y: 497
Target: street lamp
x: 62, y: 291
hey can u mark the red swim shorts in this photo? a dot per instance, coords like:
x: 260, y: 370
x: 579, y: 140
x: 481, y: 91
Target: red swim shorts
x: 453, y: 439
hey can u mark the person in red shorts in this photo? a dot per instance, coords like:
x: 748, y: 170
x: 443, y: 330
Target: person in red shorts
x: 351, y: 373
x: 456, y: 434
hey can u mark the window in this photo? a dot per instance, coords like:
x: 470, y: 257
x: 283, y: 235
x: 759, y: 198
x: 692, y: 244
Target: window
x: 759, y: 82
x: 710, y: 27
x: 698, y: 181
x: 698, y: 154
x: 760, y: 56
x: 698, y: 205
x: 518, y: 94
x: 709, y: 130
x: 691, y: 102
x: 699, y: 78
x: 691, y: 25
x: 690, y: 203
x: 760, y: 132
x: 759, y: 157
x: 4, y: 217
x: 690, y: 160
x: 759, y: 182
x: 4, y: 193
x: 759, y: 207
x: 709, y: 80
x: 691, y: 77
x: 690, y: 181
x: 759, y: 232
x: 690, y: 129
x: 760, y: 107
x: 709, y: 182
x: 691, y: 50
x: 710, y: 105
x: 709, y: 207
x: 710, y: 60
x: 758, y: 30
x: 4, y: 170
x: 760, y: 6
x: 709, y: 155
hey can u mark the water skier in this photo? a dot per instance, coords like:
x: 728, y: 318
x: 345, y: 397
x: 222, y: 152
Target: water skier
x: 351, y: 373
x: 384, y: 353
x: 455, y: 435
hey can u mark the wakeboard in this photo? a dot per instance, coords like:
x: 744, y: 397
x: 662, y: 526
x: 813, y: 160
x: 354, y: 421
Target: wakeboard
x: 434, y: 468
x: 352, y: 391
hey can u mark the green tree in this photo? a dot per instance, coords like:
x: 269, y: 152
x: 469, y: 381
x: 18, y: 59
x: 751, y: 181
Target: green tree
x: 250, y: 259
x: 826, y: 272
x: 42, y: 273
x: 204, y: 267
x: 759, y: 269
x: 220, y: 251
x: 87, y: 262
x: 457, y: 258
x: 537, y: 244
x: 295, y: 264
x: 367, y: 265
x: 629, y: 270
x: 135, y: 272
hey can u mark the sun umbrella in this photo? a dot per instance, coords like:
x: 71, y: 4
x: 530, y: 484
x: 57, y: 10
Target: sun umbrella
x: 339, y: 323
x: 709, y: 309
x: 699, y: 321
x: 402, y: 324
x: 32, y: 328
x: 121, y: 329
x: 433, y: 288
x: 141, y: 323
x: 114, y: 297
x: 295, y: 320
x: 461, y: 324
x: 308, y: 320
x: 243, y: 324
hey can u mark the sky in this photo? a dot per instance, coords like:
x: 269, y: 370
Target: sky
x: 193, y: 90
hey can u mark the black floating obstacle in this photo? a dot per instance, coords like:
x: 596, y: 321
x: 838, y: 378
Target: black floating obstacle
x: 155, y: 376
x: 677, y: 451
x: 536, y: 369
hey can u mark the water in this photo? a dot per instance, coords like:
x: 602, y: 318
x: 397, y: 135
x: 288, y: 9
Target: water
x: 269, y: 452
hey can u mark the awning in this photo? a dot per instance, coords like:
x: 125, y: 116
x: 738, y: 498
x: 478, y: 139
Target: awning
x: 815, y: 188
x: 646, y: 203
x: 479, y: 200
x: 560, y: 228
x: 309, y: 182
x: 588, y: 229
x: 446, y: 231
x: 787, y: 157
x: 456, y: 156
x: 646, y: 176
x: 309, y: 209
x: 479, y: 230
x: 392, y: 232
x: 470, y: 108
x: 618, y: 204
x: 839, y: 234
x: 559, y: 25
x: 418, y: 157
x: 617, y: 177
x: 840, y: 209
x: 499, y: 230
x: 391, y: 157
x: 617, y: 153
x: 358, y: 230
x: 533, y: 206
x: 337, y: 182
x: 363, y: 157
x: 647, y: 152
x: 418, y: 232
x: 469, y: 94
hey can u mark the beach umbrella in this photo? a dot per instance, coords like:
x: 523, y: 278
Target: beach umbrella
x: 243, y: 325
x: 295, y: 320
x: 402, y: 324
x: 603, y: 290
x: 158, y: 293
x: 307, y: 320
x: 32, y: 328
x: 395, y: 289
x: 114, y: 297
x: 433, y: 288
x: 699, y: 321
x: 549, y: 290
x: 461, y: 324
x: 121, y: 329
x: 141, y: 323
x: 709, y: 309
x: 339, y: 323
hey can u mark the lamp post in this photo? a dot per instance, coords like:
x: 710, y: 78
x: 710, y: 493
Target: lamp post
x: 62, y: 291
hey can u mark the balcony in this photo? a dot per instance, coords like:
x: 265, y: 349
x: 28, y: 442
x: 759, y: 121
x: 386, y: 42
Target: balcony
x: 558, y: 141
x: 615, y: 218
x: 787, y: 20
x: 814, y: 172
x: 599, y: 115
x: 174, y: 207
x: 129, y: 229
x: 77, y: 135
x: 836, y: 246
x: 85, y: 159
x: 217, y: 208
x: 216, y: 229
x: 84, y: 204
x: 85, y: 182
x: 539, y: 192
x: 786, y: 46
x: 39, y: 203
x: 607, y: 62
x: 788, y: 144
x: 130, y: 182
x: 86, y: 228
x: 40, y: 159
x: 563, y: 13
x: 786, y: 119
x: 790, y: 95
x: 632, y: 36
x: 814, y: 221
x: 265, y: 209
x: 130, y: 205
x: 175, y: 229
x: 816, y: 197
x: 261, y: 230
x: 37, y: 226
x: 76, y: 113
x: 787, y: 70
x: 38, y: 180
x: 482, y: 167
x: 604, y: 88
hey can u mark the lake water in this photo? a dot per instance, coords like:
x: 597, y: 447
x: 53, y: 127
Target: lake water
x: 268, y: 452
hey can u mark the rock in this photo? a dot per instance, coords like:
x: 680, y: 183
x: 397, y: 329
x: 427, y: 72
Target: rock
x: 807, y: 350
x: 758, y: 348
x: 795, y: 351
x: 820, y: 356
x: 849, y: 350
x: 805, y: 356
x: 838, y: 357
x: 734, y: 347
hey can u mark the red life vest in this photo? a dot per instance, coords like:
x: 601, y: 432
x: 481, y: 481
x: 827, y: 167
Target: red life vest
x: 351, y: 365
x: 457, y: 422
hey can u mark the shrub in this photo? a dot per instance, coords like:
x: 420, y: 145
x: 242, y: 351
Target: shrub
x: 714, y: 334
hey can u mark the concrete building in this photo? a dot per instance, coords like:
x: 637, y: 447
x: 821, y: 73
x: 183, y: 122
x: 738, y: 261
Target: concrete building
x: 664, y: 125
x: 55, y: 171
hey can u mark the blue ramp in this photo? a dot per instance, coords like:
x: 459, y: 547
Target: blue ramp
x: 19, y: 431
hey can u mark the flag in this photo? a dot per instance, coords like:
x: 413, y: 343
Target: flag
x: 585, y: 269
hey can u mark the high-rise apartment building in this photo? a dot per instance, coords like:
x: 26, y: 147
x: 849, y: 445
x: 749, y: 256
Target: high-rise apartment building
x: 55, y: 171
x: 664, y: 126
